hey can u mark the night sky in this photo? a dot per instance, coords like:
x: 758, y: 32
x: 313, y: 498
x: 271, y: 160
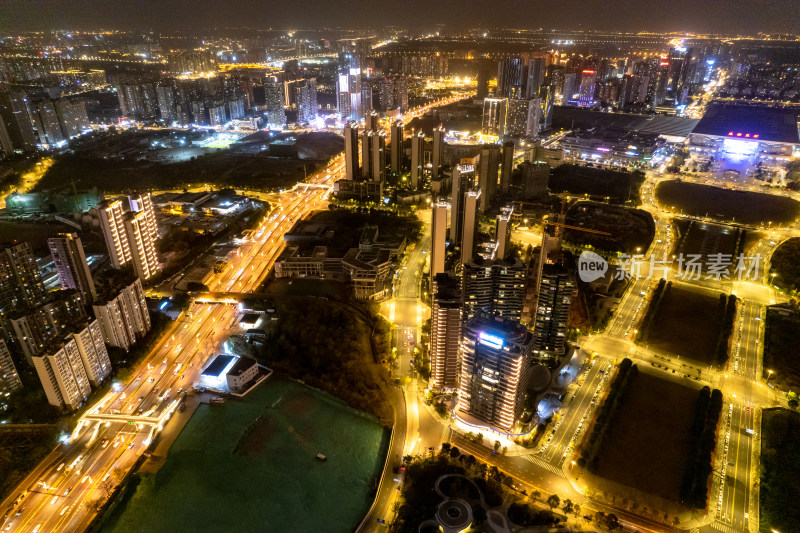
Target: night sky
x: 723, y: 16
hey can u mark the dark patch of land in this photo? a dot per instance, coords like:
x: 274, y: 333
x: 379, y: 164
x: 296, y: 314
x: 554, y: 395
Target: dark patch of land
x: 727, y: 205
x: 601, y: 184
x: 687, y: 324
x: 781, y: 351
x: 647, y: 443
x: 785, y: 264
x: 780, y: 470
x: 629, y: 229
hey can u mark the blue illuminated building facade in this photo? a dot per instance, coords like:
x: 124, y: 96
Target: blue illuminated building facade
x: 495, y: 368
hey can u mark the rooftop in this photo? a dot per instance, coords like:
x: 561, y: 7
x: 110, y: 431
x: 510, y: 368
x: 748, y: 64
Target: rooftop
x: 772, y: 124
x: 571, y: 118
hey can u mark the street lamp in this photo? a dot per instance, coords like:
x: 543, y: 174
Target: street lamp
x: 769, y: 375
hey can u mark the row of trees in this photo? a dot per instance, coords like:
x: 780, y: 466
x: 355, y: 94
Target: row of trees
x: 660, y: 292
x: 703, y: 435
x: 727, y: 308
x: 616, y: 395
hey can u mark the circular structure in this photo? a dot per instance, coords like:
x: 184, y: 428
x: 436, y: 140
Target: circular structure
x: 540, y: 378
x: 454, y: 514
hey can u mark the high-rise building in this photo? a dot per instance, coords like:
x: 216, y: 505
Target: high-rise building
x: 569, y: 87
x: 494, y: 116
x: 535, y: 179
x: 378, y: 156
x: 348, y: 87
x: 483, y: 84
x: 545, y: 116
x: 386, y: 92
x: 351, y: 151
x: 553, y: 300
x: 72, y: 117
x: 274, y: 104
x: 71, y: 265
x: 463, y: 181
x: 502, y: 234
x: 16, y: 123
x: 469, y: 225
x: 497, y: 287
x: 165, y: 94
x: 397, y: 147
x: 507, y: 167
x: 33, y: 329
x: 130, y: 236
x: 438, y: 239
x: 9, y: 379
x: 305, y: 97
x: 371, y: 121
x: 366, y: 99
x: 509, y: 78
x: 45, y: 121
x: 123, y: 316
x: 20, y: 280
x: 417, y: 158
x: 445, y: 331
x: 587, y: 89
x: 495, y: 370
x: 488, y: 172
x: 401, y: 94
x: 437, y: 153
x: 366, y: 154
x: 142, y: 244
x: 111, y: 215
x: 94, y: 354
x: 537, y: 68
x: 63, y: 375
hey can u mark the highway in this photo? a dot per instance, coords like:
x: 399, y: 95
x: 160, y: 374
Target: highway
x: 63, y: 492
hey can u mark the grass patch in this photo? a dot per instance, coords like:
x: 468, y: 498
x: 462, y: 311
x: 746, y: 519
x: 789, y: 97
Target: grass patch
x: 648, y: 440
x: 629, y: 228
x: 744, y: 207
x: 687, y: 324
x: 780, y: 470
x: 781, y: 351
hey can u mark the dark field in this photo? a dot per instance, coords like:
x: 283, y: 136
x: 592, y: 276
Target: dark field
x: 648, y: 439
x: 781, y: 351
x: 780, y: 470
x: 687, y: 324
x: 785, y: 264
x: 629, y: 228
x: 618, y: 187
x: 752, y: 208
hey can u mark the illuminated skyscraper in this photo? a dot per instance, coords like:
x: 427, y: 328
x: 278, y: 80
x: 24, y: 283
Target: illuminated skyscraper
x: 445, y: 331
x: 554, y: 297
x: 130, y: 237
x: 348, y: 87
x: 495, y: 370
x: 351, y: 151
x: 123, y: 317
x: 494, y: 116
x: 588, y: 83
x: 63, y: 376
x: 509, y: 78
x: 438, y: 238
x: 274, y: 102
x: 496, y: 287
x: 71, y: 265
x: 463, y: 181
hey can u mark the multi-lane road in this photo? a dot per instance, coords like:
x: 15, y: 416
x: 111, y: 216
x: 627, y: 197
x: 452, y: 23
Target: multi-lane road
x: 63, y: 492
